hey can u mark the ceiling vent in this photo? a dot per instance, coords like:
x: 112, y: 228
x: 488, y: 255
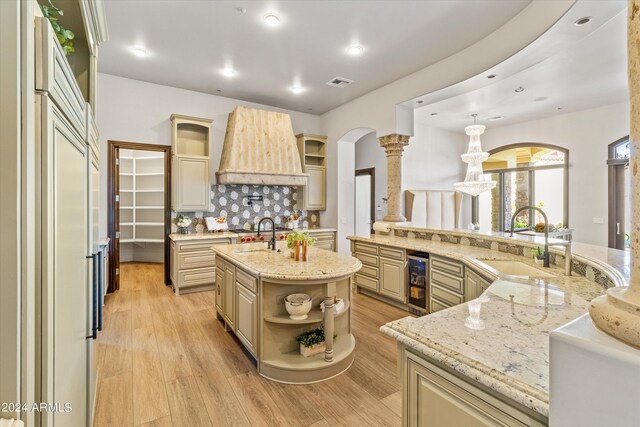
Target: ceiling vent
x: 339, y: 82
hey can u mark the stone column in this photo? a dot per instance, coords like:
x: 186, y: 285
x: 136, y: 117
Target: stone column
x: 394, y: 146
x: 618, y: 312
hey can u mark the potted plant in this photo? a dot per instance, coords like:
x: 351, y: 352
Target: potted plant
x: 64, y: 36
x: 538, y: 255
x: 298, y: 236
x: 183, y: 223
x: 312, y: 342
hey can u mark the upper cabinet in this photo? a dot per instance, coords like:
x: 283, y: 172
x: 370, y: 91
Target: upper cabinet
x: 313, y: 156
x: 86, y: 19
x: 191, y: 178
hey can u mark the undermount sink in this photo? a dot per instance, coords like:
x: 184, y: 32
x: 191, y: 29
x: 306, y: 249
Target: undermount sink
x: 516, y: 268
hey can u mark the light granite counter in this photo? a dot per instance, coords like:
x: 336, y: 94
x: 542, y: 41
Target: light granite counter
x: 256, y: 259
x: 179, y: 237
x: 511, y: 354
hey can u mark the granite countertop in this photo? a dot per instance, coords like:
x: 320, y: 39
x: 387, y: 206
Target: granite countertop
x: 592, y: 254
x: 511, y: 354
x: 178, y: 237
x: 258, y: 260
x: 473, y: 257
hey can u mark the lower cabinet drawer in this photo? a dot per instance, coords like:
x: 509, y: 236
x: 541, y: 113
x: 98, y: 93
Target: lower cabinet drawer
x: 447, y: 281
x: 366, y: 282
x: 197, y: 259
x: 445, y: 296
x: 392, y: 253
x: 363, y: 247
x: 367, y: 259
x: 196, y: 276
x: 201, y: 245
x: 247, y: 281
x: 436, y: 305
x: 328, y: 245
x: 367, y: 270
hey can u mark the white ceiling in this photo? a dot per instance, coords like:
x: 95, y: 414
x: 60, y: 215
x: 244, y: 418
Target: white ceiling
x: 190, y: 41
x: 588, y: 72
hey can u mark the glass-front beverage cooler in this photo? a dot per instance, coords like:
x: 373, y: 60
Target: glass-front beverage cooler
x: 418, y: 278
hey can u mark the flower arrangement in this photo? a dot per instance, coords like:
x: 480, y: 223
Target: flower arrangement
x: 183, y: 222
x: 299, y: 236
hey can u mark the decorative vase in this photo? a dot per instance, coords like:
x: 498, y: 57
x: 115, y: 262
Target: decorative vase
x: 313, y: 350
x: 183, y: 230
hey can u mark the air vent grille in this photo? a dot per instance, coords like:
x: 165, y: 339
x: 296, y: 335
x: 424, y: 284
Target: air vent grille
x: 339, y: 82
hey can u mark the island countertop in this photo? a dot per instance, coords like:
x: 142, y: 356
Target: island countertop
x: 511, y: 354
x: 321, y: 264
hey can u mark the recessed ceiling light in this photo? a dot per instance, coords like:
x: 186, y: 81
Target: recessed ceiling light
x: 542, y: 98
x: 434, y: 114
x: 296, y: 89
x: 519, y: 89
x: 419, y: 102
x: 355, y: 50
x: 271, y: 20
x: 583, y: 21
x: 494, y: 118
x: 228, y: 72
x: 491, y: 76
x: 139, y: 51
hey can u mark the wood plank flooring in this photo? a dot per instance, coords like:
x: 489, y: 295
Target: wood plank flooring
x: 165, y: 361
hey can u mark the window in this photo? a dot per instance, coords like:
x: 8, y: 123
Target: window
x: 527, y: 175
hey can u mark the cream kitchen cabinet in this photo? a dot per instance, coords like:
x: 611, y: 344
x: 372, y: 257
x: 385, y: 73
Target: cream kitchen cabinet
x: 474, y: 285
x: 193, y: 263
x: 324, y: 239
x: 435, y: 397
x: 229, y: 297
x: 446, y: 283
x: 383, y: 270
x: 246, y: 310
x: 191, y: 177
x: 313, y: 158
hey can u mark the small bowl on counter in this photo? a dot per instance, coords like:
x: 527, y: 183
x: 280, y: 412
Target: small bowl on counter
x: 298, y: 306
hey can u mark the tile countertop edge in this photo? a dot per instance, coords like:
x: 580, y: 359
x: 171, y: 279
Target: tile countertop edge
x: 407, y: 243
x: 528, y: 397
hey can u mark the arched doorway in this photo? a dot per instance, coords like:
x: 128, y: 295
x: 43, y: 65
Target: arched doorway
x: 346, y: 185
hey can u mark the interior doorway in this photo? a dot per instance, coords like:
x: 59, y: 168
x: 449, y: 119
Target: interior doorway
x: 365, y: 184
x: 619, y: 195
x: 139, y: 210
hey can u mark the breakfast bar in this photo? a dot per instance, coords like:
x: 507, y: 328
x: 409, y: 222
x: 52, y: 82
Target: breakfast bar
x: 252, y: 283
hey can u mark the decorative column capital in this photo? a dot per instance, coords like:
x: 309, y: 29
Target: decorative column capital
x: 394, y: 143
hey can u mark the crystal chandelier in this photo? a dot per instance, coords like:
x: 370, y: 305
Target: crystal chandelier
x: 475, y: 182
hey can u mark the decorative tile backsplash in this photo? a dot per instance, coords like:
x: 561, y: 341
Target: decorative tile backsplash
x: 232, y: 201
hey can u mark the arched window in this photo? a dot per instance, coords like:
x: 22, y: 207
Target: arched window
x: 528, y: 174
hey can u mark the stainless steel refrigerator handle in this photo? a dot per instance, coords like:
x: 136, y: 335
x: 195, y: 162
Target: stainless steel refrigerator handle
x: 94, y: 286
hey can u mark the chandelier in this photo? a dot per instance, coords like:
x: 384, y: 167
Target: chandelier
x: 475, y: 182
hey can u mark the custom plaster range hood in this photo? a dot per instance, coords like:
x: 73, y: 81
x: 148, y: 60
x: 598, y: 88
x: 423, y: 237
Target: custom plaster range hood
x: 260, y: 148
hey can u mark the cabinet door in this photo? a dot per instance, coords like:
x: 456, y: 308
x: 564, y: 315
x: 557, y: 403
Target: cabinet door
x: 228, y: 295
x: 315, y: 191
x: 191, y: 184
x: 65, y: 269
x: 472, y: 285
x: 484, y: 284
x: 436, y: 398
x: 219, y: 290
x: 247, y: 317
x: 392, y: 278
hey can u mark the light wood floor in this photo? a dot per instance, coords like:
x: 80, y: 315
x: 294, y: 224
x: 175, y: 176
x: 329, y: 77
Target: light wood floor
x: 165, y: 360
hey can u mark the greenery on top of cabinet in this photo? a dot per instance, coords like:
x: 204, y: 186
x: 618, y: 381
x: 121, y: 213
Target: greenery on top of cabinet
x: 65, y: 37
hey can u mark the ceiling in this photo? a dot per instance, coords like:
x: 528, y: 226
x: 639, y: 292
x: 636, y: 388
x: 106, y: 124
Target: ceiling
x: 189, y: 42
x: 588, y: 72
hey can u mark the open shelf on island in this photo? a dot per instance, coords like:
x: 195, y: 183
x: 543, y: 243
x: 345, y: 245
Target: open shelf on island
x: 315, y: 316
x: 343, y: 347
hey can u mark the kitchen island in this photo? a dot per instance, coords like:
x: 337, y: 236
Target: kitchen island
x: 495, y: 372
x: 251, y: 284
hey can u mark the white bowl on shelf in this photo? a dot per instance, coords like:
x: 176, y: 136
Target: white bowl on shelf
x: 298, y: 306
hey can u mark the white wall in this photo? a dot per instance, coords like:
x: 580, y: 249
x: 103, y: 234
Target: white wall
x: 369, y: 154
x: 586, y: 134
x: 380, y: 110
x: 136, y: 111
x: 431, y: 161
